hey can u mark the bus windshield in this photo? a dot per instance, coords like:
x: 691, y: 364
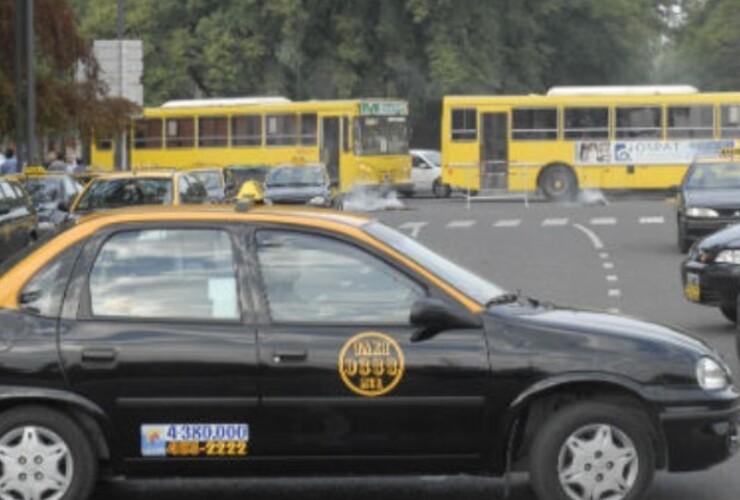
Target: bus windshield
x: 721, y: 175
x: 381, y: 135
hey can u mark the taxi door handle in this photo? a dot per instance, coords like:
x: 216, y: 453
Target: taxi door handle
x: 289, y: 356
x: 98, y: 356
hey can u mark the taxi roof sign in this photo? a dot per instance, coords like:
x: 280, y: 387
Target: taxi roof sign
x: 34, y: 170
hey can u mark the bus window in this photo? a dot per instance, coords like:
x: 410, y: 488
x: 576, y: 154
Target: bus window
x: 309, y: 124
x: 381, y: 135
x: 281, y: 130
x: 690, y: 122
x: 147, y: 134
x: 105, y: 144
x: 246, y: 130
x: 534, y: 124
x: 213, y: 132
x: 180, y: 133
x: 464, y: 124
x: 586, y: 123
x: 730, y: 121
x: 639, y: 123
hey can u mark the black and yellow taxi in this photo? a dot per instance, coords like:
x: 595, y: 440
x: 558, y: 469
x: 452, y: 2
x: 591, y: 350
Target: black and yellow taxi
x: 52, y: 194
x: 18, y: 220
x: 297, y: 341
x: 709, y: 197
x: 139, y: 187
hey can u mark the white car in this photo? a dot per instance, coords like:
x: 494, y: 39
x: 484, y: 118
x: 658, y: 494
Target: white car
x: 426, y: 173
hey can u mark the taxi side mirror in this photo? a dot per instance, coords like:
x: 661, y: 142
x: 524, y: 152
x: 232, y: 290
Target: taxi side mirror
x: 433, y: 316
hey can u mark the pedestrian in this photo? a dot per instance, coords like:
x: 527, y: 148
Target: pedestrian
x: 10, y: 165
x: 58, y: 165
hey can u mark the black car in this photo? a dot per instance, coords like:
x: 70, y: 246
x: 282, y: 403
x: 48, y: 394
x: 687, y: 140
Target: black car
x: 18, y: 221
x: 286, y: 341
x: 711, y: 274
x: 708, y: 199
x: 298, y: 184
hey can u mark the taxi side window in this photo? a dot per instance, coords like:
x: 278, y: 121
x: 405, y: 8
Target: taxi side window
x: 314, y: 279
x: 44, y: 293
x: 166, y: 273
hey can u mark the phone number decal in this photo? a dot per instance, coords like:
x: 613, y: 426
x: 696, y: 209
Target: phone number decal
x: 186, y: 440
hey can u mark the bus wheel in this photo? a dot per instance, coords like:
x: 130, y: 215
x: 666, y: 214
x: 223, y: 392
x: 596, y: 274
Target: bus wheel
x: 441, y: 190
x: 558, y: 182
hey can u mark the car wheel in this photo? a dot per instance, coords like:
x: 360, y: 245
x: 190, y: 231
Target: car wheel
x: 441, y: 190
x: 44, y: 454
x: 729, y: 312
x: 592, y: 450
x: 684, y: 244
x: 558, y: 183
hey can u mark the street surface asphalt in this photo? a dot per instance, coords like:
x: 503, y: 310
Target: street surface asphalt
x: 621, y: 256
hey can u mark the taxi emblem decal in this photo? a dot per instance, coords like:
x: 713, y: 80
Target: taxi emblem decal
x: 371, y: 364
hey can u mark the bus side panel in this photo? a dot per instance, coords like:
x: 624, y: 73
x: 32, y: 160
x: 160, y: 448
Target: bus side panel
x: 214, y: 157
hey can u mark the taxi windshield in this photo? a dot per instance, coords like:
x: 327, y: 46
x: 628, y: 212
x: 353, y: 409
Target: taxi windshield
x: 210, y: 179
x: 720, y: 175
x: 114, y: 193
x: 470, y: 284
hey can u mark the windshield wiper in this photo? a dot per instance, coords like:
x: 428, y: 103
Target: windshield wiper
x: 504, y: 298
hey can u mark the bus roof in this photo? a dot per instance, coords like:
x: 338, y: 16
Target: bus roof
x: 217, y: 102
x: 622, y: 90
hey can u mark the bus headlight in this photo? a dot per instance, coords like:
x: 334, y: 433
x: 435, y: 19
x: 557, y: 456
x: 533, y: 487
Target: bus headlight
x: 701, y: 212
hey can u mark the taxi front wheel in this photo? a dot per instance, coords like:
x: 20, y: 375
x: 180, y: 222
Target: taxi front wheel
x: 592, y: 450
x: 44, y: 455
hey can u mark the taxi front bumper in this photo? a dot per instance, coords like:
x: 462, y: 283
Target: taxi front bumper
x: 710, y: 284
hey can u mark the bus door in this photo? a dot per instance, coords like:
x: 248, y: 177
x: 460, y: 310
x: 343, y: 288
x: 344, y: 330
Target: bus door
x: 330, y: 142
x: 494, y: 150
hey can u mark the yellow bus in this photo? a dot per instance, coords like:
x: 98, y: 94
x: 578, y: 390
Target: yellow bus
x: 360, y: 141
x: 639, y: 137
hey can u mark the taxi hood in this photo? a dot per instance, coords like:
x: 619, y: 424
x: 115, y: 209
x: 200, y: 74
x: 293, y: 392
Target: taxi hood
x: 712, y: 198
x: 728, y: 237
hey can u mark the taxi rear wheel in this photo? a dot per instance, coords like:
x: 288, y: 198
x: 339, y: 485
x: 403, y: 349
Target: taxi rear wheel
x: 729, y: 312
x: 592, y: 450
x: 44, y: 454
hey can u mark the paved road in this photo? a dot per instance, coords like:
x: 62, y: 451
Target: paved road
x: 621, y: 256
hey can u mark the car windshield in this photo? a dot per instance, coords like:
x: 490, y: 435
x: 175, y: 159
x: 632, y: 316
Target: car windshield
x: 113, y: 193
x: 468, y: 283
x: 210, y: 179
x: 45, y: 190
x: 243, y: 174
x: 721, y: 175
x: 382, y: 135
x: 434, y: 157
x: 296, y: 176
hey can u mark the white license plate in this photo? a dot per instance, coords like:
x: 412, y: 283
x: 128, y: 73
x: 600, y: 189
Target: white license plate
x: 155, y: 438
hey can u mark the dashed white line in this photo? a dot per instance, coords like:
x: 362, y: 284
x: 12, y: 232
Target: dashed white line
x: 603, y: 255
x: 608, y: 265
x: 658, y: 219
x: 595, y: 240
x: 555, y: 222
x: 613, y: 310
x: 413, y: 227
x: 612, y: 277
x: 615, y: 292
x: 603, y: 221
x: 460, y: 224
x: 507, y: 223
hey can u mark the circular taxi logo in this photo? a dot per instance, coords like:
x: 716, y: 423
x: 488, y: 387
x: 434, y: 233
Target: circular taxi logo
x: 371, y: 364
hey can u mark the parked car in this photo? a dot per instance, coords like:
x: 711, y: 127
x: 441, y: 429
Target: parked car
x: 18, y: 221
x: 245, y: 182
x: 156, y: 187
x: 298, y: 184
x: 213, y: 180
x: 283, y: 340
x: 426, y: 173
x: 708, y: 198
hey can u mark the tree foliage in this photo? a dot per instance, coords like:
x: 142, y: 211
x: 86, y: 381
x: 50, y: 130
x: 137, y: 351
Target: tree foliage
x: 65, y: 102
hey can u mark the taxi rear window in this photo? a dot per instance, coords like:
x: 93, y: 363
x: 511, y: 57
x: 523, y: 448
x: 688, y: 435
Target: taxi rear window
x: 115, y: 193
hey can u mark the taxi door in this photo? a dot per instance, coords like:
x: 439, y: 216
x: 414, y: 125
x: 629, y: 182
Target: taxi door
x: 343, y: 386
x: 155, y: 332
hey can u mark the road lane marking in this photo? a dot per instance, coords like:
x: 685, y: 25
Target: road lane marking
x: 614, y: 310
x: 414, y: 228
x: 460, y: 224
x: 595, y: 240
x: 603, y: 221
x: 657, y: 219
x: 612, y: 277
x: 604, y: 255
x: 555, y: 222
x: 608, y: 265
x: 507, y: 223
x: 615, y: 292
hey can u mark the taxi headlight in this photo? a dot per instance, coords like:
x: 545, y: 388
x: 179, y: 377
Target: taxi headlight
x: 701, y: 212
x: 711, y: 375
x: 728, y: 257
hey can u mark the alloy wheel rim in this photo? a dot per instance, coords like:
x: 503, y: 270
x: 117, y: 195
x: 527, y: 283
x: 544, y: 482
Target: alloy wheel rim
x: 36, y: 464
x: 598, y: 462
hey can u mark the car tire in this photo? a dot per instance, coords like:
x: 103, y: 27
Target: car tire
x: 558, y: 183
x: 54, y: 444
x: 684, y: 244
x: 729, y: 312
x: 441, y: 190
x: 627, y: 459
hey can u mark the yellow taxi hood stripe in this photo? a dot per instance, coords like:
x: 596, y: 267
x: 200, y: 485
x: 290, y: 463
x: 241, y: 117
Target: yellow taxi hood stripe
x: 13, y: 281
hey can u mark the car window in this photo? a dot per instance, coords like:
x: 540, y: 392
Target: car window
x: 317, y: 279
x: 45, y: 190
x: 166, y: 273
x: 11, y: 199
x: 191, y: 190
x: 43, y: 294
